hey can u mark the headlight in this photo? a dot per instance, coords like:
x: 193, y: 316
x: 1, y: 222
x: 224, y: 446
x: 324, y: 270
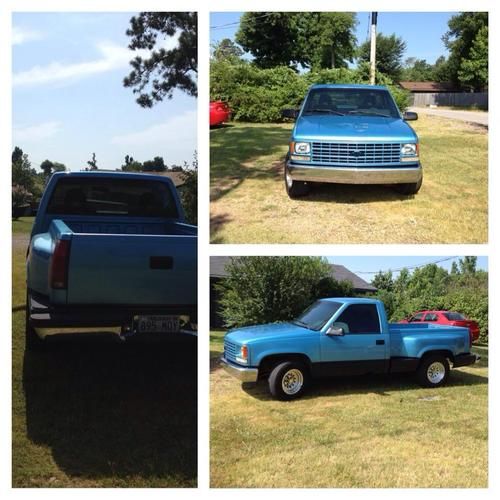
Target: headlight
x: 302, y: 148
x: 243, y: 357
x: 409, y: 149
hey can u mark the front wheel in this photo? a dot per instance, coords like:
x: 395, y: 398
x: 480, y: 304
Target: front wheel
x: 295, y: 189
x: 433, y: 371
x: 288, y: 380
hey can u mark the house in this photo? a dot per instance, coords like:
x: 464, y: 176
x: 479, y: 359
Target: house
x: 218, y: 273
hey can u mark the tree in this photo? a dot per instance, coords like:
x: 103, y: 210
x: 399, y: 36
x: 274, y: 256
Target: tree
x: 156, y: 76
x: 226, y: 49
x: 21, y: 198
x: 157, y: 164
x: 268, y: 289
x: 327, y: 38
x: 92, y: 163
x: 417, y: 70
x: 467, y: 265
x: 131, y: 165
x: 467, y: 42
x: 189, y: 190
x: 22, y: 173
x: 48, y: 167
x: 473, y: 71
x: 389, y: 55
x: 383, y: 280
x: 311, y: 39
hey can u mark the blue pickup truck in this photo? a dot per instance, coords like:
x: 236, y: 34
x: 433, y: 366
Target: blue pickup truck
x: 351, y: 134
x: 110, y: 253
x: 343, y: 336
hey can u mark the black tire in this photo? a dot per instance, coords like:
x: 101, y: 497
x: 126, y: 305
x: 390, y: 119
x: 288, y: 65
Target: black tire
x: 32, y: 342
x: 408, y: 189
x: 433, y: 371
x: 291, y: 374
x: 295, y: 189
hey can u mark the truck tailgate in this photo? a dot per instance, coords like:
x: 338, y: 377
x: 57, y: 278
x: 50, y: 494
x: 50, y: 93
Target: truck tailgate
x: 132, y: 269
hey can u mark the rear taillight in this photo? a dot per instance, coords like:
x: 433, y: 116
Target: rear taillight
x: 58, y: 276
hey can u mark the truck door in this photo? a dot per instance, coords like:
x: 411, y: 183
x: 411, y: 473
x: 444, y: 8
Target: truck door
x: 363, y: 348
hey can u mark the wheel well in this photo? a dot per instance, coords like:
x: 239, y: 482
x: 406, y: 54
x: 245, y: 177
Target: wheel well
x: 445, y: 353
x: 269, y: 362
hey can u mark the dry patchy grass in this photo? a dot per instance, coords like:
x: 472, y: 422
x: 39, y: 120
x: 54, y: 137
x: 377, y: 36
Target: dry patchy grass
x: 250, y: 205
x: 350, y: 433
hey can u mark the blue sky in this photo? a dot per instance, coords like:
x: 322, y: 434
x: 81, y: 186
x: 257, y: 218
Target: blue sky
x: 367, y: 267
x: 422, y: 31
x: 69, y: 101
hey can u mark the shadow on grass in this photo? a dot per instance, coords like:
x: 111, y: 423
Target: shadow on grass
x: 369, y: 384
x: 116, y: 410
x: 353, y: 193
x: 233, y: 156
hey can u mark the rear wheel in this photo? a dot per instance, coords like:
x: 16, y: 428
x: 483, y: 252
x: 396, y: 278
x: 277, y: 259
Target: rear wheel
x: 433, y: 371
x: 412, y: 188
x: 288, y: 380
x: 295, y: 189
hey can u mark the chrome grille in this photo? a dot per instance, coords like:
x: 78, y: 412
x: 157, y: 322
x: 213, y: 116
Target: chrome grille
x: 230, y: 350
x: 337, y: 153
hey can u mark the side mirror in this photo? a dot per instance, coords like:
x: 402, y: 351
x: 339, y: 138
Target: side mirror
x: 335, y: 331
x: 410, y: 116
x: 290, y: 113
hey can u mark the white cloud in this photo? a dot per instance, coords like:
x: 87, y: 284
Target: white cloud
x: 35, y: 133
x: 112, y: 57
x: 180, y: 129
x: 23, y: 35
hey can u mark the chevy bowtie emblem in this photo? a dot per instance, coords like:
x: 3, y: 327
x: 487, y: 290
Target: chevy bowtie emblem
x: 356, y: 153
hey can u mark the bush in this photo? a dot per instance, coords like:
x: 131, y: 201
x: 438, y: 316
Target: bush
x: 21, y: 199
x: 258, y: 95
x: 267, y: 289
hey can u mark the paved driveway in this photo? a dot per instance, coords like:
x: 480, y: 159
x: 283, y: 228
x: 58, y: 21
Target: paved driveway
x: 479, y: 117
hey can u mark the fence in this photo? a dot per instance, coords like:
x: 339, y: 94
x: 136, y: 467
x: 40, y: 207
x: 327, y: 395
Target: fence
x: 460, y: 99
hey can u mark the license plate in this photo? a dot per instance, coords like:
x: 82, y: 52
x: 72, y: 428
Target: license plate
x: 157, y: 324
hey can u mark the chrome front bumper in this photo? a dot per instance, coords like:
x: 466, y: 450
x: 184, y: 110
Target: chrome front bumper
x: 240, y: 372
x: 355, y: 175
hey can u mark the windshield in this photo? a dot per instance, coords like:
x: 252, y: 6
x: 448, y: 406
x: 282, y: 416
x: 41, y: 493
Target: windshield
x: 317, y: 315
x: 339, y: 101
x: 112, y: 196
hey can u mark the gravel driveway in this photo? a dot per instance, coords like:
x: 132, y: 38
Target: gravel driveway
x: 478, y: 117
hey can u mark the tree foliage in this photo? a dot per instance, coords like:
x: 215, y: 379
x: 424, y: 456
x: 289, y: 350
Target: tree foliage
x: 389, y: 55
x: 268, y: 289
x: 467, y: 42
x: 226, y: 49
x: 189, y: 190
x: 259, y: 95
x: 463, y: 289
x: 309, y: 39
x: 156, y: 76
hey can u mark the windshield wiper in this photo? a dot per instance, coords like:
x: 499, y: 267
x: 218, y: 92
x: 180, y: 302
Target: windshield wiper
x: 299, y: 323
x: 368, y: 113
x: 326, y: 111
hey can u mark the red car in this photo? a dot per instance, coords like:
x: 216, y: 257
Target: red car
x: 219, y: 113
x: 450, y: 318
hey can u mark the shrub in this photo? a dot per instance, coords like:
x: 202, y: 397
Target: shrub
x: 258, y: 95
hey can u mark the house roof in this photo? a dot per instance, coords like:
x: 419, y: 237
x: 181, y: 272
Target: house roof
x: 338, y: 272
x: 429, y: 86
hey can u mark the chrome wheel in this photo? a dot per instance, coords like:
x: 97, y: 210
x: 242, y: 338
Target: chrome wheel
x: 292, y: 381
x: 436, y: 372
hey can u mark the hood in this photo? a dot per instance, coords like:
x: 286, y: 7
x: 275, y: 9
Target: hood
x: 352, y: 128
x: 250, y: 334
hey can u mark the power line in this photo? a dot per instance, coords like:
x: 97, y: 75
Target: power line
x: 417, y: 266
x: 236, y: 23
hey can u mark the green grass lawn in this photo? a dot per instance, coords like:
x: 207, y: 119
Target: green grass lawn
x: 101, y: 414
x: 249, y: 203
x: 349, y: 433
x: 22, y: 225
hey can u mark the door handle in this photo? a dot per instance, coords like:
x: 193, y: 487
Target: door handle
x: 380, y: 342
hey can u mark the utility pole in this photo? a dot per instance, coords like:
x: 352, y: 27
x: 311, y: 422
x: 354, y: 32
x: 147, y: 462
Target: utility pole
x: 373, y: 47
